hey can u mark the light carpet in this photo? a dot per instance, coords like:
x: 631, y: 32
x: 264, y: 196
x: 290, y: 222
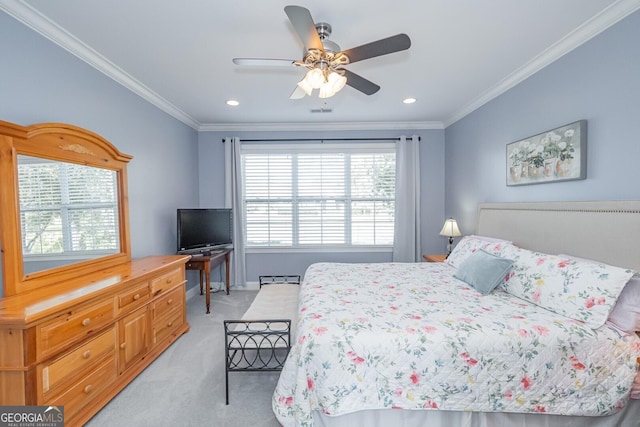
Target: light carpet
x: 185, y: 385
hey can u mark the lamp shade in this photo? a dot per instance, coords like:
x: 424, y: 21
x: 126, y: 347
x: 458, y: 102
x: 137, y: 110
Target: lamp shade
x: 450, y: 228
x: 326, y: 91
x: 304, y: 85
x: 315, y: 78
x: 336, y: 81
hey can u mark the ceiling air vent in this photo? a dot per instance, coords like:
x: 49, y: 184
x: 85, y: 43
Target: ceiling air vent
x: 321, y: 110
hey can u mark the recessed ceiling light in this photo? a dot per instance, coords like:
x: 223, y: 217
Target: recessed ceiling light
x: 233, y: 102
x: 409, y: 100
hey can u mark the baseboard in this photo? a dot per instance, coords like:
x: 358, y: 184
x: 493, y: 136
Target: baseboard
x: 192, y: 292
x: 251, y: 286
x: 195, y: 290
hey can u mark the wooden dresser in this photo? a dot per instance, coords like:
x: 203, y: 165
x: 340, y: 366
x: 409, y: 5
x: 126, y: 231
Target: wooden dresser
x: 78, y: 344
x: 79, y: 318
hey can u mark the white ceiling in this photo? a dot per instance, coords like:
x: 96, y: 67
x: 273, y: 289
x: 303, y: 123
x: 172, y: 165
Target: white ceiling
x: 178, y: 54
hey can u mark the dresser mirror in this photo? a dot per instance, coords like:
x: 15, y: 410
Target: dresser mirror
x: 64, y: 205
x: 68, y: 213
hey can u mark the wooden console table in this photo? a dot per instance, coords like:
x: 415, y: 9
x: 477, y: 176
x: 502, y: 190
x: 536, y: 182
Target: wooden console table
x: 203, y: 263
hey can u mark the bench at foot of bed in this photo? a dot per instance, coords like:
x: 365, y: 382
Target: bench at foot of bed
x: 261, y: 340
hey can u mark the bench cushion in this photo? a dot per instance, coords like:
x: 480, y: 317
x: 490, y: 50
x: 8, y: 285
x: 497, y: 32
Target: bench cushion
x: 277, y: 301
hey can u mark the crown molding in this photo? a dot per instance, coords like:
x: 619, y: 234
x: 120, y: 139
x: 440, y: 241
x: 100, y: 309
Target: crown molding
x: 314, y: 126
x: 594, y: 26
x: 47, y: 28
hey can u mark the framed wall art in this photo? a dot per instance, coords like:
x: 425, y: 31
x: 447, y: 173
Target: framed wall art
x: 556, y: 155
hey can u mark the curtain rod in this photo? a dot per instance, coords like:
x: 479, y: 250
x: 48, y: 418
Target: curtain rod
x: 317, y: 139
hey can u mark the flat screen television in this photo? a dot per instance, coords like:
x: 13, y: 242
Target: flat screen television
x: 202, y: 229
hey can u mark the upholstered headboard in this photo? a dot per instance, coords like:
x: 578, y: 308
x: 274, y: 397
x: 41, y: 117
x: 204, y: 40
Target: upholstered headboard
x: 607, y: 231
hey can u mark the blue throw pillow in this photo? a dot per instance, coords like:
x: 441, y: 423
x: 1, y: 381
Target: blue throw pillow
x: 483, y: 271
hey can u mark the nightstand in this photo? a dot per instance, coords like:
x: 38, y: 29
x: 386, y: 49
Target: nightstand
x: 434, y: 257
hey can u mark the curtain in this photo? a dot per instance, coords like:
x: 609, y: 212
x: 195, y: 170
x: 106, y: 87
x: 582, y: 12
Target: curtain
x: 233, y: 200
x: 406, y: 245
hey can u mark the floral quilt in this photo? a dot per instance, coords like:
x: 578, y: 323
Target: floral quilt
x: 410, y: 336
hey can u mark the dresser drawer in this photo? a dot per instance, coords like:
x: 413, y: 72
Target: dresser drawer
x: 167, y: 281
x: 78, y: 395
x: 133, y: 298
x: 77, y: 361
x: 73, y: 325
x: 163, y: 327
x: 173, y: 301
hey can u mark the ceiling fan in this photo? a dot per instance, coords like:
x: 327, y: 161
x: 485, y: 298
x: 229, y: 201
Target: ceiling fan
x: 324, y: 59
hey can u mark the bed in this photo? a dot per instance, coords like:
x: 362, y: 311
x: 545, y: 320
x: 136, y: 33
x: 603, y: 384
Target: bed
x: 432, y: 344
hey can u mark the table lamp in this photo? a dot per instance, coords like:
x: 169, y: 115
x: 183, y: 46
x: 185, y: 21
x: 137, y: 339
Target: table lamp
x: 450, y: 229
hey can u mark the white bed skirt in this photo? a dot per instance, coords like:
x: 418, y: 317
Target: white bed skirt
x: 628, y: 417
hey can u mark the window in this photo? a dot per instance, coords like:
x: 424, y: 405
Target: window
x: 67, y: 208
x: 325, y: 195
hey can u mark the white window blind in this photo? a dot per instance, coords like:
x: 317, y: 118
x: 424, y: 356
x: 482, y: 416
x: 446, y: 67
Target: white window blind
x: 319, y: 196
x: 67, y: 208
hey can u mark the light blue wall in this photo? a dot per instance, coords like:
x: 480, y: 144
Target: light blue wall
x: 600, y: 82
x: 212, y: 167
x: 41, y: 82
x: 175, y: 167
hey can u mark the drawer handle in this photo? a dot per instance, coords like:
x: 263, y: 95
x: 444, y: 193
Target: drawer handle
x: 86, y: 354
x: 170, y: 324
x: 169, y: 301
x: 136, y: 297
x: 123, y: 345
x: 88, y: 389
x: 169, y: 280
x: 86, y: 322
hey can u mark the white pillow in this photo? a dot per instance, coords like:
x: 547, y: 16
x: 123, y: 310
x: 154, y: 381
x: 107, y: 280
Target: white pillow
x: 580, y: 290
x: 626, y: 313
x: 470, y: 244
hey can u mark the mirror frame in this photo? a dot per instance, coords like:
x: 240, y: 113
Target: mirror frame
x: 62, y: 142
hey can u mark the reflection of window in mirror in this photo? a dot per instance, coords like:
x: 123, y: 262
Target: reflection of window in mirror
x: 68, y: 212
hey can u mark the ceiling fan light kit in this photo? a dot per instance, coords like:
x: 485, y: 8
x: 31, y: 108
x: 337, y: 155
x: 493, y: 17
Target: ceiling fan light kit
x: 324, y: 59
x: 329, y: 82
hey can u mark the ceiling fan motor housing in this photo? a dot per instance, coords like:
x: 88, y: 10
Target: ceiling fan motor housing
x: 330, y: 58
x: 324, y: 31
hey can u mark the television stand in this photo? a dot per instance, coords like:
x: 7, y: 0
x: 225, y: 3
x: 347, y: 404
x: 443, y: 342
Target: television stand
x: 204, y: 263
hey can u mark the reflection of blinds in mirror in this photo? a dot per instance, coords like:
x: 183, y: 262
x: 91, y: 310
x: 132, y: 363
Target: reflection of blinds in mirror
x: 67, y: 208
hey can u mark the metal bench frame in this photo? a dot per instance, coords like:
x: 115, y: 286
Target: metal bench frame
x: 257, y: 345
x: 272, y: 280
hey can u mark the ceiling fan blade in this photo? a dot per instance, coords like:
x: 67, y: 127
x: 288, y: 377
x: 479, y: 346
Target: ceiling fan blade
x: 298, y: 93
x: 378, y: 48
x: 303, y: 23
x: 262, y: 62
x: 360, y: 83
